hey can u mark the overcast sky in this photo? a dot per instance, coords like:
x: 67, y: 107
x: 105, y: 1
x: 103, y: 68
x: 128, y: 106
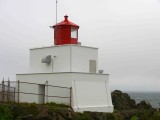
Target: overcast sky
x: 127, y: 33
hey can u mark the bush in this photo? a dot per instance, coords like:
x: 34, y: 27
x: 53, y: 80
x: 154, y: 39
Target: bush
x: 134, y: 118
x: 5, y: 113
x: 56, y: 105
x: 84, y: 116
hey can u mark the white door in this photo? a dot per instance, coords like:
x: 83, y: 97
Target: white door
x: 41, y: 91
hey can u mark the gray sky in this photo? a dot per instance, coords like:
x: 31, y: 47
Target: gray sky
x: 127, y: 33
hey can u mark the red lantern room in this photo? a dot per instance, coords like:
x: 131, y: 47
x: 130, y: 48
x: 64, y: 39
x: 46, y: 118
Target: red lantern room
x: 65, y: 32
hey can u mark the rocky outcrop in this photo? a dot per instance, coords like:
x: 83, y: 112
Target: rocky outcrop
x: 144, y: 105
x: 122, y: 101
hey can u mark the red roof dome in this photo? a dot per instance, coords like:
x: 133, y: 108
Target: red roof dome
x: 65, y: 22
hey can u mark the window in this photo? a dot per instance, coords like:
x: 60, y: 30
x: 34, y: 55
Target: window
x: 73, y: 33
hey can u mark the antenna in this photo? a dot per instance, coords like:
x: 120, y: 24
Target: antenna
x: 56, y: 10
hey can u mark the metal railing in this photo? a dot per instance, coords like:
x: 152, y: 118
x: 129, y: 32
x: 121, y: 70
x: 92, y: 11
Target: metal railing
x: 8, y: 92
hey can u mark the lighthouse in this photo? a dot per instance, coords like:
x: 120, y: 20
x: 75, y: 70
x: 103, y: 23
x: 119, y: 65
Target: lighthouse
x: 66, y: 73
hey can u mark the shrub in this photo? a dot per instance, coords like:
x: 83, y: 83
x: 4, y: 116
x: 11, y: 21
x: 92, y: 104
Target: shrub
x: 5, y: 113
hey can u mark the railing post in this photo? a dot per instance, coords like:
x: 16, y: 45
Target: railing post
x: 3, y: 89
x: 14, y: 93
x: 18, y: 91
x: 1, y: 93
x: 70, y: 96
x: 8, y: 91
x: 46, y: 95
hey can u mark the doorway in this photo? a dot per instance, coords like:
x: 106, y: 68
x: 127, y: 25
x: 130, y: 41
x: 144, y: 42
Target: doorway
x: 41, y: 92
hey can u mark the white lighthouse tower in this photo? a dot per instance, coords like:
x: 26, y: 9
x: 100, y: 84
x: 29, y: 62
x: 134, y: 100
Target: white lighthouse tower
x: 66, y: 73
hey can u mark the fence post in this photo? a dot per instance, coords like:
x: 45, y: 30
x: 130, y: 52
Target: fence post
x: 1, y: 93
x: 18, y: 91
x: 70, y: 96
x: 8, y: 91
x: 3, y: 89
x: 46, y: 95
x: 14, y: 95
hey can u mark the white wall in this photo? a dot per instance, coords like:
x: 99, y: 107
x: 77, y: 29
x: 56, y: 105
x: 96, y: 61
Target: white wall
x: 81, y: 57
x: 91, y: 96
x: 56, y: 79
x: 61, y: 63
x: 69, y: 58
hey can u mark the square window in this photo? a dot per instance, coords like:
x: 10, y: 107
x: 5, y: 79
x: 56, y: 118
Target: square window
x: 73, y: 33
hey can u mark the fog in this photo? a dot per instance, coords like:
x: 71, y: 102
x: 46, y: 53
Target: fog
x: 127, y: 33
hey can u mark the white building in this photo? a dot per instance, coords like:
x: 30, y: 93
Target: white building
x: 66, y: 73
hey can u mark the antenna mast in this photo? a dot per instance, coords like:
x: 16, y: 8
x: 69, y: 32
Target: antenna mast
x: 56, y: 10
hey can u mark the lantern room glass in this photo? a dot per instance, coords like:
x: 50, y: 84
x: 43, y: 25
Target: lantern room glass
x: 73, y: 33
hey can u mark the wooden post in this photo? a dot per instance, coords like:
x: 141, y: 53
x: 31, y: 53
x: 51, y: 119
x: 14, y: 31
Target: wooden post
x: 14, y: 95
x: 70, y: 96
x: 3, y: 89
x: 18, y: 91
x: 8, y: 91
x: 1, y: 93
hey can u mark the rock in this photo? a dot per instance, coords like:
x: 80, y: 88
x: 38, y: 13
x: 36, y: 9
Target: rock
x: 122, y: 101
x: 66, y: 114
x: 144, y: 105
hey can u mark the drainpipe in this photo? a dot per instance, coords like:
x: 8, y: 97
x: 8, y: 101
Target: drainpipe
x: 46, y: 85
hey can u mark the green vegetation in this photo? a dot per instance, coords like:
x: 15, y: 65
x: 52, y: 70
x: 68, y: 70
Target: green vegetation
x: 125, y: 109
x: 5, y: 112
x: 56, y: 105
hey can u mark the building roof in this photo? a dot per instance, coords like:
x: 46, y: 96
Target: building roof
x: 65, y: 22
x: 63, y: 73
x: 62, y: 46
